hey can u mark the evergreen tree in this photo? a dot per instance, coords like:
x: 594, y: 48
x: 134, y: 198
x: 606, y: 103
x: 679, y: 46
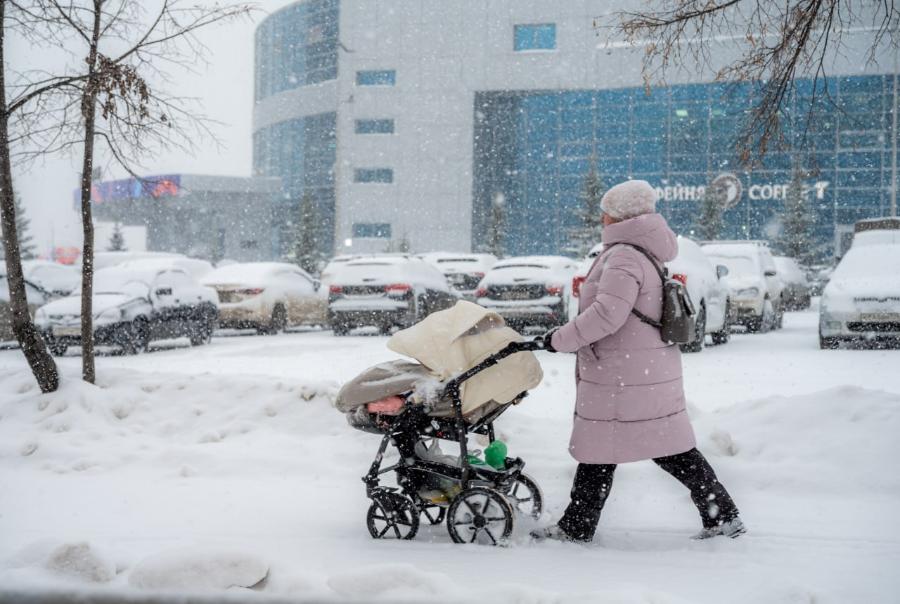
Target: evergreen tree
x: 306, y: 252
x: 709, y: 219
x: 497, y: 225
x: 797, y: 220
x: 117, y: 239
x: 26, y: 241
x: 586, y: 233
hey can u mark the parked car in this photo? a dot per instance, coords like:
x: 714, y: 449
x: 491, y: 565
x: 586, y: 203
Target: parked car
x: 133, y: 306
x: 37, y: 297
x: 386, y: 291
x: 796, y: 294
x: 108, y: 259
x: 333, y: 266
x: 529, y: 290
x: 818, y: 277
x: 706, y: 284
x: 756, y: 288
x: 862, y: 300
x: 266, y: 296
x: 53, y: 277
x: 463, y: 271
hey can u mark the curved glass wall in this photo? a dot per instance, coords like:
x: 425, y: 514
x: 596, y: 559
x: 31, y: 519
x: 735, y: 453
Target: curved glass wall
x: 302, y: 152
x: 535, y: 149
x: 297, y: 46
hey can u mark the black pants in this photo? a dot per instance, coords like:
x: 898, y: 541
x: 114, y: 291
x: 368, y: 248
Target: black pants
x: 593, y: 482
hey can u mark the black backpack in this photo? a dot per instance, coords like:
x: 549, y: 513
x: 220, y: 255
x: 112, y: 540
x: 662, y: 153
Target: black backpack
x: 678, y: 323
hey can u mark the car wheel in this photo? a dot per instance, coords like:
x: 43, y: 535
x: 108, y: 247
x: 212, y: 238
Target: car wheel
x: 277, y: 323
x: 779, y: 315
x: 828, y: 343
x: 699, y: 332
x: 763, y: 322
x: 136, y: 337
x: 57, y: 348
x: 722, y: 336
x: 202, y: 332
x: 339, y: 328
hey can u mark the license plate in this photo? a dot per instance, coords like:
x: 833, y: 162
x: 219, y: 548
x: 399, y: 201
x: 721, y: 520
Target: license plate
x: 67, y: 331
x: 879, y: 317
x: 516, y: 295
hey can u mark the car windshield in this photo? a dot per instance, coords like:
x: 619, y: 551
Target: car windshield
x: 738, y: 265
x: 869, y: 261
x: 118, y: 281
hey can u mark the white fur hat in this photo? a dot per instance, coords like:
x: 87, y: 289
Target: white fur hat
x: 629, y: 199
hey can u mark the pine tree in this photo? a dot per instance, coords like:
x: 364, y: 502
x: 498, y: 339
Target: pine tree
x: 709, y: 219
x: 26, y: 241
x: 306, y: 243
x: 497, y: 225
x: 586, y: 233
x: 797, y: 220
x: 117, y: 239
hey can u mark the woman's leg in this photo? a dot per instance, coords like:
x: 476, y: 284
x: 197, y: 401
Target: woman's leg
x: 589, y: 492
x: 693, y: 471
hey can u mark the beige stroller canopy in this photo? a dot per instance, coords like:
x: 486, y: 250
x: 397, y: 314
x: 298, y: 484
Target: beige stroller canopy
x: 447, y: 343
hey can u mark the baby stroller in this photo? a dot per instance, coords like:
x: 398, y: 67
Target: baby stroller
x: 479, y: 502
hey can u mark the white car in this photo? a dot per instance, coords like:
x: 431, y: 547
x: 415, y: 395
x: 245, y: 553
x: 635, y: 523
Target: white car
x: 463, y: 271
x: 756, y: 288
x: 862, y: 300
x: 266, y: 296
x: 108, y: 259
x: 133, y: 306
x: 386, y: 291
x: 56, y: 278
x: 194, y: 267
x: 529, y: 290
x: 333, y: 266
x: 706, y: 284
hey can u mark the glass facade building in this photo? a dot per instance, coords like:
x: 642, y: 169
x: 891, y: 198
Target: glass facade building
x: 296, y: 46
x: 302, y: 152
x: 534, y: 148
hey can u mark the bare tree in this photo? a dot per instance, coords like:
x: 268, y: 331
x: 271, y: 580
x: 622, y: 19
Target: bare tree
x: 778, y: 42
x: 586, y: 233
x: 306, y: 242
x: 117, y: 239
x: 39, y: 360
x: 710, y: 223
x: 114, y: 95
x: 497, y: 226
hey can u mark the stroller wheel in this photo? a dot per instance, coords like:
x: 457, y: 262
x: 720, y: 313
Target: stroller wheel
x: 392, y: 516
x: 525, y: 496
x: 433, y: 514
x: 480, y: 515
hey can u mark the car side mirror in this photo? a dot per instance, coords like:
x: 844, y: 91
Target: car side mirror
x: 317, y: 285
x: 164, y: 291
x: 770, y: 273
x: 721, y: 271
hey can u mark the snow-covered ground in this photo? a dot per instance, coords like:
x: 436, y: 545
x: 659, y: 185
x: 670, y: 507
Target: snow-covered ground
x: 198, y: 468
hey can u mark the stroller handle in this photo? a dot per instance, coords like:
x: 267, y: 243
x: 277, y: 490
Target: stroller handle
x: 452, y: 386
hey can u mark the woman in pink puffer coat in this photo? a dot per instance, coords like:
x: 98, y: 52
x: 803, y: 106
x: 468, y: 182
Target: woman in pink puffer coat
x: 630, y: 403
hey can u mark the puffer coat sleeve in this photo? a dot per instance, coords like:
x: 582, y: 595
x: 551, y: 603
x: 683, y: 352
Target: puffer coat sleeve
x: 617, y: 291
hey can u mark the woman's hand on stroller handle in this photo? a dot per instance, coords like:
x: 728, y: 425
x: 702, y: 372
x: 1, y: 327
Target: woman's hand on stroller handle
x: 543, y: 342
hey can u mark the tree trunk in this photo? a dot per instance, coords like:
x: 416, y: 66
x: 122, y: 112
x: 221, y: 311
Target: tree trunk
x: 42, y: 365
x: 89, y: 112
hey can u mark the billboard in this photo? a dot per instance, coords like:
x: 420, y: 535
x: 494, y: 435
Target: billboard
x: 127, y: 189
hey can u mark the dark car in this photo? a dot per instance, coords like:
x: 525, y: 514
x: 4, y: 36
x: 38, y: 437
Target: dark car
x: 134, y: 304
x: 386, y: 291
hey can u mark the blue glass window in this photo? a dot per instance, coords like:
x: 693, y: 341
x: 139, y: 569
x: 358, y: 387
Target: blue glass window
x: 376, y: 77
x: 385, y: 126
x: 540, y: 36
x: 372, y: 230
x: 381, y: 175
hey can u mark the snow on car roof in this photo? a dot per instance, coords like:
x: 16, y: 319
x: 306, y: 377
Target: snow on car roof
x: 746, y: 250
x: 869, y: 260
x: 244, y: 271
x: 193, y: 266
x: 534, y: 261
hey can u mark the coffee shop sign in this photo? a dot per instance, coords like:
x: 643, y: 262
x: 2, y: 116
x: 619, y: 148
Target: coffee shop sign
x: 732, y: 190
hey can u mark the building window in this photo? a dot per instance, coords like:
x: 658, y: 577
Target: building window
x: 540, y: 36
x: 382, y: 175
x: 376, y: 77
x: 372, y: 230
x: 374, y: 126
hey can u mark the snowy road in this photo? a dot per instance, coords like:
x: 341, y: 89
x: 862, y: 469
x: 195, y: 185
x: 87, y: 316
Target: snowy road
x: 233, y: 447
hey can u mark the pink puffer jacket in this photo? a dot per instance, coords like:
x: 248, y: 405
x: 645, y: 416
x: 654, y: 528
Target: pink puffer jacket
x: 630, y: 400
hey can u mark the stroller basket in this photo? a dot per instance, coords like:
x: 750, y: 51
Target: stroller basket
x: 478, y: 501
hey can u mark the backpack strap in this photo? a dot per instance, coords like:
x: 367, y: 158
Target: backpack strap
x: 663, y: 275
